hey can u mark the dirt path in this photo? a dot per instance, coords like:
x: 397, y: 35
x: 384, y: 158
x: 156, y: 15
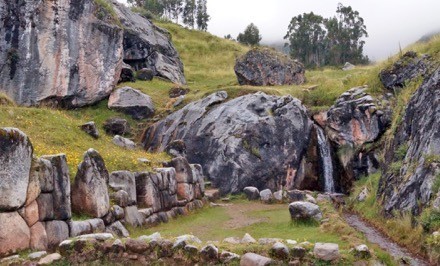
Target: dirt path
x: 376, y: 237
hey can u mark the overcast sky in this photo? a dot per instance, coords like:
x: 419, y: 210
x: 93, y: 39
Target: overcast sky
x: 389, y: 22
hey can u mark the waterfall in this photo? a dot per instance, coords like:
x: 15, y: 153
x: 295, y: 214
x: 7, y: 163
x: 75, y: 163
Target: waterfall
x: 326, y: 160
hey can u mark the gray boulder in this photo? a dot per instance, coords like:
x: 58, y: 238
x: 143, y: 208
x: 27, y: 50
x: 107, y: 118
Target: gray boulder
x: 258, y: 135
x: 303, y: 211
x: 90, y: 128
x: 45, y: 62
x: 279, y: 251
x: 406, y: 69
x: 132, y: 102
x: 326, y: 251
x: 145, y: 74
x: 127, y: 74
x: 176, y: 148
x: 416, y: 152
x: 252, y: 193
x: 15, y: 160
x: 348, y: 66
x: 117, y: 126
x: 57, y: 232
x: 209, y: 253
x: 132, y: 216
x: 227, y: 257
x: 124, y: 142
x: 124, y: 180
x: 266, y: 196
x: 117, y: 229
x: 263, y: 67
x: 253, y: 259
x: 89, y: 190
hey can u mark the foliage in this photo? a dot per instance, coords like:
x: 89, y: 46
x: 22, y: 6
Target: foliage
x: 202, y: 16
x: 251, y: 36
x: 430, y: 220
x: 317, y: 41
x: 106, y: 11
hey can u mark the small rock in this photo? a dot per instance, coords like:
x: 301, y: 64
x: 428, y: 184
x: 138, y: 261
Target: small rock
x: 362, y: 252
x: 310, y: 199
x: 132, y: 102
x: 144, y: 161
x: 348, y: 66
x: 123, y: 142
x: 177, y: 91
x: 323, y: 197
x: 279, y: 251
x: 266, y: 196
x: 145, y: 74
x: 90, y: 128
x: 298, y: 252
x: 176, y: 148
x: 49, y: 259
x: 165, y: 248
x: 228, y: 257
x: 10, y: 260
x: 127, y: 74
x: 296, y: 195
x: 212, y: 194
x: 192, y: 252
x: 189, y: 239
x: 209, y: 253
x: 304, y: 211
x: 179, y: 100
x: 252, y: 193
x: 118, y: 246
x: 268, y: 241
x: 232, y: 240
x: 326, y: 251
x: 117, y: 126
x: 291, y: 242
x: 248, y: 239
x: 37, y: 255
x: 253, y: 259
x: 363, y: 195
x: 136, y: 246
x: 117, y: 229
x: 278, y: 195
x: 153, y: 237
x: 65, y: 247
x: 294, y: 263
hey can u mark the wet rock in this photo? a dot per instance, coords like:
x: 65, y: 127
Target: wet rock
x: 90, y: 128
x: 15, y: 158
x: 209, y: 253
x: 50, y: 259
x: 57, y: 232
x: 247, y: 129
x: 61, y: 189
x: 38, y: 239
x: 248, y: 239
x: 326, y: 251
x: 266, y: 196
x: 302, y: 210
x: 406, y: 69
x: 127, y: 74
x: 124, y: 180
x: 132, y: 102
x: 117, y: 126
x: 117, y: 229
x: 279, y: 251
x: 227, y: 257
x: 145, y: 74
x: 89, y: 190
x: 262, y: 67
x: 415, y: 147
x: 252, y: 259
x: 124, y: 142
x: 14, y: 233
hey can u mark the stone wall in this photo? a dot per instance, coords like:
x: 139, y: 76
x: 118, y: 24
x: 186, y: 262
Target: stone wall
x: 37, y: 198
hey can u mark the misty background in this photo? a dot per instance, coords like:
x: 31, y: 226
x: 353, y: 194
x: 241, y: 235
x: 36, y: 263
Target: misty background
x: 389, y: 23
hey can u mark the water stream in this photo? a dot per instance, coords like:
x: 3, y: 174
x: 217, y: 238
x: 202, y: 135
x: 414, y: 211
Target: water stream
x: 326, y: 160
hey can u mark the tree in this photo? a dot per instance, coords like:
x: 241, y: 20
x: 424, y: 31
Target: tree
x: 154, y: 6
x: 202, y: 15
x: 250, y: 36
x: 189, y: 12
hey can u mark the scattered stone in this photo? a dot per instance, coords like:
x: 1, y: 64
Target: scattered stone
x: 37, y: 255
x: 291, y: 242
x: 310, y: 199
x: 49, y: 259
x: 189, y: 239
x: 118, y: 246
x: 212, y: 194
x: 136, y: 246
x: 326, y: 251
x: 178, y: 91
x: 362, y: 252
x: 90, y: 128
x: 144, y: 161
x: 263, y: 67
x: 132, y: 102
x: 304, y: 211
x: 268, y: 241
x: 179, y: 100
x: 153, y: 237
x: 229, y: 257
x: 248, y: 239
x: 279, y: 251
x: 118, y: 212
x: 296, y: 195
x: 10, y: 260
x: 145, y: 74
x: 278, y: 195
x: 266, y: 196
x: 209, y: 253
x: 253, y: 259
x: 15, y: 160
x: 65, y: 247
x: 191, y: 251
x: 117, y: 126
x: 232, y: 240
x: 252, y: 193
x: 298, y: 252
x: 97, y: 225
x: 89, y: 190
x: 323, y: 197
x: 124, y: 142
x: 363, y: 195
x: 117, y: 229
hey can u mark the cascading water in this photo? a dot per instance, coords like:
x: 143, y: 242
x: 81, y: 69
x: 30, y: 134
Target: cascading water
x: 326, y: 160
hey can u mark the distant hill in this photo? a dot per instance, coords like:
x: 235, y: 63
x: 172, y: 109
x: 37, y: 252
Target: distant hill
x: 427, y: 37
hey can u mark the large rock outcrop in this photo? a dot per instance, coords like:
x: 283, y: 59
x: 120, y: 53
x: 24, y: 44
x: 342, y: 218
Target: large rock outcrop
x: 70, y: 53
x: 263, y: 67
x: 413, y: 161
x: 254, y: 140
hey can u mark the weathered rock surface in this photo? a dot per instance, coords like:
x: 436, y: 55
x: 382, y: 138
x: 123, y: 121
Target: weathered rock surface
x: 262, y: 67
x: 50, y: 259
x: 252, y: 193
x: 90, y: 128
x: 38, y: 237
x: 117, y: 229
x: 132, y: 102
x: 14, y: 233
x: 253, y: 259
x: 44, y: 61
x: 250, y: 132
x: 406, y: 69
x: 266, y: 196
x: 89, y: 190
x: 301, y: 210
x: 326, y: 251
x: 15, y: 160
x: 124, y: 180
x: 57, y: 232
x: 145, y: 74
x: 279, y: 251
x: 416, y: 147
x: 117, y: 126
x: 124, y: 142
x: 127, y: 74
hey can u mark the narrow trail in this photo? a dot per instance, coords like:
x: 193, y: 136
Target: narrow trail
x: 376, y: 237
